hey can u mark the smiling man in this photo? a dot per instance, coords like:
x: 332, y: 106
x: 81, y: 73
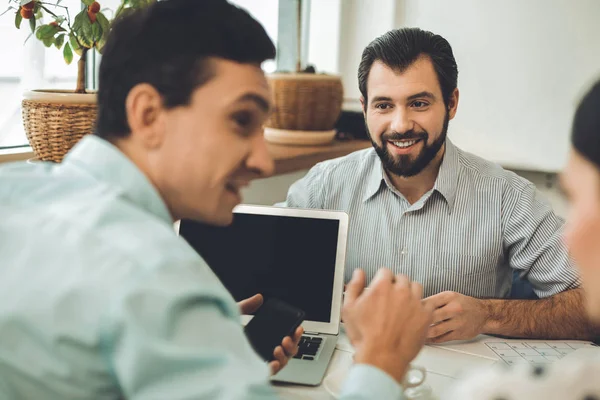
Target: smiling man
x: 456, y: 223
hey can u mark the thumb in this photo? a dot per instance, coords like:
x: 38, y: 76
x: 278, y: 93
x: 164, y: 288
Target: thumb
x: 250, y: 305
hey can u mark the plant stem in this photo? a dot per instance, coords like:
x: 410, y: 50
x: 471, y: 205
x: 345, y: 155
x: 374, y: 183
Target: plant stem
x: 81, y: 72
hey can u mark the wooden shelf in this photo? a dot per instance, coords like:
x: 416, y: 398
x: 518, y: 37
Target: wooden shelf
x: 296, y: 158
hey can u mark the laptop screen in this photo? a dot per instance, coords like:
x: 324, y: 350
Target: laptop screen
x: 290, y: 258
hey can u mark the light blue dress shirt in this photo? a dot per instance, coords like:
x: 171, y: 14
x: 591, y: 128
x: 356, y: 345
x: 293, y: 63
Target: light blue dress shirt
x: 100, y: 299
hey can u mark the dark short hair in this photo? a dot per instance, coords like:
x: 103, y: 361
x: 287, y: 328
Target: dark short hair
x: 169, y: 45
x: 399, y: 48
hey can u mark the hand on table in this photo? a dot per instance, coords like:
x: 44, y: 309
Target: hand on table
x: 455, y: 317
x: 289, y: 345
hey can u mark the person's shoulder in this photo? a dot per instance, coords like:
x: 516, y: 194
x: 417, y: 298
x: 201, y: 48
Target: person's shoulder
x: 487, y: 172
x: 354, y: 163
x: 91, y: 213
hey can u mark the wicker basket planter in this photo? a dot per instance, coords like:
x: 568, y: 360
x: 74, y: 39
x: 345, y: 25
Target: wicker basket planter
x: 304, y: 102
x: 56, y: 120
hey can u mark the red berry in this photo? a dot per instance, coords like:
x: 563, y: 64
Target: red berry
x: 94, y: 7
x: 29, y: 6
x: 92, y: 16
x: 26, y: 14
x: 53, y: 23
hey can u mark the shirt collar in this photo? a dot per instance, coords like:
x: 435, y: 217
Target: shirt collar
x: 446, y: 182
x: 106, y: 163
x: 374, y: 178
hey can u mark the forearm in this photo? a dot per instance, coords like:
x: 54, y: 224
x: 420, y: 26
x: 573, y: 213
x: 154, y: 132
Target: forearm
x: 561, y: 316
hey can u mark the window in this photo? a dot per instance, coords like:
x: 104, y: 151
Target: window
x: 32, y: 66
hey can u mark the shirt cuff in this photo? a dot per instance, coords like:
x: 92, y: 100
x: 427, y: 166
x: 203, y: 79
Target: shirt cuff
x: 367, y: 382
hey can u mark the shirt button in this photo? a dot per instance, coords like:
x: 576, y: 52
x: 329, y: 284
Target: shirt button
x: 404, y: 252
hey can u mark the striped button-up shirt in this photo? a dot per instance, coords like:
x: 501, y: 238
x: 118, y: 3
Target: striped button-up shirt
x: 478, y: 224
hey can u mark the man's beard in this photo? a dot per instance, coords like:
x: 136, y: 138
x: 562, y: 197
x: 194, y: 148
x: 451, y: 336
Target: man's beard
x: 404, y: 165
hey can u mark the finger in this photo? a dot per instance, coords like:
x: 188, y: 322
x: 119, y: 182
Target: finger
x: 250, y: 305
x: 446, y: 337
x: 355, y: 287
x: 275, y: 367
x: 417, y: 290
x: 280, y: 356
x: 441, y: 329
x: 298, y: 335
x: 402, y: 281
x: 289, y: 347
x: 383, y: 277
x: 443, y: 314
x: 439, y: 300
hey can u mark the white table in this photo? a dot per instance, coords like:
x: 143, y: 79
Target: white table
x: 442, y: 362
x: 342, y: 359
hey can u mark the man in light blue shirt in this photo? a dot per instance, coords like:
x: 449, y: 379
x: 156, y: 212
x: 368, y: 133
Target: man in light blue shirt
x: 100, y: 298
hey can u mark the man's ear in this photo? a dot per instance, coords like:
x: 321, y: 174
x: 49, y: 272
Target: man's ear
x: 363, y: 105
x: 453, y: 104
x: 144, y: 108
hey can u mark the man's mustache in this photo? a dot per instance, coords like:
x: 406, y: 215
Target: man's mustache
x: 408, y: 135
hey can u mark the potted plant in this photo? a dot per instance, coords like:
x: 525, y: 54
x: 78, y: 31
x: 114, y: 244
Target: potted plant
x: 55, y: 120
x: 306, y: 104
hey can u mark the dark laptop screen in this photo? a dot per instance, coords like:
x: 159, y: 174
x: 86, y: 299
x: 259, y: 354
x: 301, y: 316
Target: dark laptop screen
x: 290, y: 258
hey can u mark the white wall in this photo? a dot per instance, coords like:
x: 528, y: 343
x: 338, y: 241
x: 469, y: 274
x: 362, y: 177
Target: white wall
x: 522, y: 67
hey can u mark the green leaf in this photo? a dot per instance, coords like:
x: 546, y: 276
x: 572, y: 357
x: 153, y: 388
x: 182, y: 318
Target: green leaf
x: 32, y: 24
x: 46, y: 31
x: 75, y: 45
x: 18, y: 20
x: 82, y: 27
x: 60, y: 40
x: 48, y: 41
x: 23, y: 2
x: 104, y: 24
x: 96, y: 32
x: 67, y: 54
x: 87, y: 2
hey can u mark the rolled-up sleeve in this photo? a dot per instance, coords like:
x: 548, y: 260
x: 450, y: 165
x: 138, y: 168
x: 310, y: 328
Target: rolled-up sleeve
x: 533, y: 241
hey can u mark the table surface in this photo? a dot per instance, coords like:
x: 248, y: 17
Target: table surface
x: 442, y: 362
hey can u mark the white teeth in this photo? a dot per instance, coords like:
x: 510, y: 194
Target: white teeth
x: 404, y: 144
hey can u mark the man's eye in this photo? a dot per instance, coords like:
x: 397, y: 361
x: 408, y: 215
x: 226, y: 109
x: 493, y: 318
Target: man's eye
x: 243, y: 119
x: 382, y: 106
x: 419, y: 104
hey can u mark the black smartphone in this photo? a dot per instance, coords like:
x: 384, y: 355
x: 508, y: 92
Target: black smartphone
x: 273, y: 321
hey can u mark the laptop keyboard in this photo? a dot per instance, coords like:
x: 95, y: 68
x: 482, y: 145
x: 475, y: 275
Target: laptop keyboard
x: 309, y: 347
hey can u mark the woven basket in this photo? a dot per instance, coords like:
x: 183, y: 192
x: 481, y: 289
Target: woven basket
x: 306, y: 102
x: 55, y: 121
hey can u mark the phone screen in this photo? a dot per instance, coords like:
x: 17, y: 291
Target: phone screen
x: 273, y: 321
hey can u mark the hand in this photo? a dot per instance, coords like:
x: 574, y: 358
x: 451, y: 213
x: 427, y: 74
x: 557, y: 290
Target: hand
x: 386, y: 324
x: 289, y: 345
x: 285, y: 352
x: 456, y: 317
x: 251, y: 304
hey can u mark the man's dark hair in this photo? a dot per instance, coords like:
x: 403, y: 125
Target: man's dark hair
x: 399, y: 48
x: 169, y: 45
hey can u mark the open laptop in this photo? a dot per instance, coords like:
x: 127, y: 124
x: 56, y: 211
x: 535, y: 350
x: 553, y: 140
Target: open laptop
x: 295, y: 255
